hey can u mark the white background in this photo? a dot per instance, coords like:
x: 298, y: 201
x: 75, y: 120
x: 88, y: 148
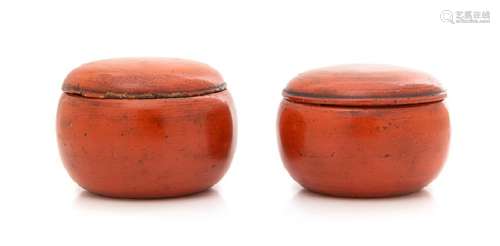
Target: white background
x: 257, y: 46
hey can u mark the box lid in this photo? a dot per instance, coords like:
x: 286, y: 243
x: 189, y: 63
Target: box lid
x: 364, y: 85
x: 142, y: 78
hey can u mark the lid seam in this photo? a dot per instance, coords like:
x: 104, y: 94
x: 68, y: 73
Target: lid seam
x: 152, y: 95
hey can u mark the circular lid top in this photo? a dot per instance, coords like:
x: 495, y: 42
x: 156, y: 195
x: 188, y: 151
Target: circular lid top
x: 364, y: 85
x: 141, y: 78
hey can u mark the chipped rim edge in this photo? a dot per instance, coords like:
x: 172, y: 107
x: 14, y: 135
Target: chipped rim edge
x: 124, y: 95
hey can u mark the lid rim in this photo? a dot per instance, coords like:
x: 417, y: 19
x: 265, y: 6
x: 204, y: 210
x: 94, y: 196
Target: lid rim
x: 89, y: 93
x: 402, y: 99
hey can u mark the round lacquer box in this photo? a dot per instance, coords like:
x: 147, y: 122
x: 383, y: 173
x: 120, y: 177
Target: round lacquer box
x: 363, y: 130
x: 145, y: 128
